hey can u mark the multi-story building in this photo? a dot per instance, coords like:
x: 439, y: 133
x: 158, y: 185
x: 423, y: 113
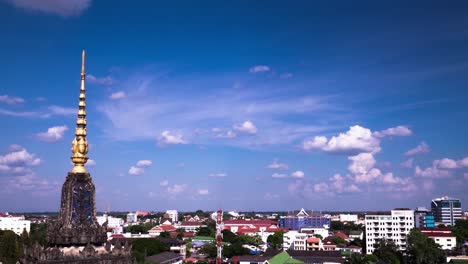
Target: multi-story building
x: 442, y: 236
x: 393, y: 226
x: 112, y: 222
x: 446, y: 210
x: 348, y: 217
x: 132, y: 217
x: 14, y: 223
x: 173, y: 215
x: 304, y: 219
x: 423, y: 217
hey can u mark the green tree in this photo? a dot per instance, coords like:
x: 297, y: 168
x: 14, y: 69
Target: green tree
x: 422, y: 249
x: 319, y: 236
x: 188, y: 247
x: 136, y: 229
x: 235, y: 249
x: 209, y: 250
x: 276, y: 240
x: 147, y: 247
x: 164, y: 234
x: 229, y: 236
x: 25, y: 240
x: 38, y: 233
x: 10, y: 247
x: 206, y: 231
x: 460, y: 230
x: 388, y: 252
x: 357, y: 259
x: 336, y: 226
x: 338, y: 240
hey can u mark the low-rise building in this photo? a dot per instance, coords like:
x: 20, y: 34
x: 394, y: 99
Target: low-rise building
x: 190, y: 226
x: 348, y: 217
x: 174, y: 215
x: 442, y: 236
x: 132, y: 217
x: 14, y: 223
x: 112, y: 222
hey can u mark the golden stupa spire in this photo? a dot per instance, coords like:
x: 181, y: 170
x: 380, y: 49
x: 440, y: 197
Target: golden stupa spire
x: 79, y: 144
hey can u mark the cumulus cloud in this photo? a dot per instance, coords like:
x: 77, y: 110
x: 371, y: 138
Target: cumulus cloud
x: 259, y: 68
x: 229, y: 134
x: 279, y: 175
x: 220, y: 174
x: 139, y: 168
x: 176, y: 188
x: 19, y: 158
x: 136, y: 170
x: 164, y: 183
x: 91, y: 162
x: 107, y: 80
x: 203, y: 192
x: 144, y: 163
x: 118, y: 95
x: 401, y: 131
x: 441, y: 168
x: 11, y: 100
x: 277, y: 165
x: 408, y: 163
x: 53, y: 134
x: 422, y: 148
x: 356, y: 140
x: 166, y: 138
x: 68, y: 8
x: 58, y: 110
x: 246, y: 127
x: 298, y: 174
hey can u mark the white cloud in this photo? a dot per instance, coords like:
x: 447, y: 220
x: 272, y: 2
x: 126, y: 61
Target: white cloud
x: 279, y: 175
x: 118, y: 95
x: 246, y: 127
x: 228, y: 134
x: 203, y: 192
x: 166, y: 138
x: 463, y: 163
x: 446, y: 163
x: 176, y: 189
x: 11, y: 100
x: 297, y: 174
x: 102, y: 80
x: 276, y: 165
x: 401, y: 131
x: 136, y: 170
x: 222, y: 174
x: 422, y: 148
x: 431, y: 172
x: 19, y: 158
x: 68, y: 8
x: 408, y: 163
x: 58, y: 110
x: 259, y: 68
x: 91, y: 162
x: 144, y: 163
x: 441, y: 168
x: 53, y: 134
x: 321, y: 187
x: 356, y: 140
x: 164, y: 183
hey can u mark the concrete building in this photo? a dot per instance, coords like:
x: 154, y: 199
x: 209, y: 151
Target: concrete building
x: 394, y: 226
x: 132, y: 217
x: 348, y: 218
x: 423, y: 217
x: 14, y: 223
x: 323, y: 232
x: 112, y: 222
x: 446, y: 210
x: 173, y: 215
x: 442, y: 236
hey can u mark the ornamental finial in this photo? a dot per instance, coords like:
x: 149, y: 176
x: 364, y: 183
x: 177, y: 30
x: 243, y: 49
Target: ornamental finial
x: 79, y: 144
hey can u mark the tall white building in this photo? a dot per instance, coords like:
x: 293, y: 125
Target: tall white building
x: 174, y: 215
x: 132, y: 217
x: 14, y: 223
x: 394, y: 226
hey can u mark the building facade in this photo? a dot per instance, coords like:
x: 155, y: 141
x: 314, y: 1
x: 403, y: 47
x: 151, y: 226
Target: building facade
x: 442, y: 236
x: 132, y: 217
x: 304, y: 219
x: 423, y: 217
x: 112, y: 222
x: 394, y: 226
x: 173, y: 215
x: 446, y: 210
x: 14, y: 223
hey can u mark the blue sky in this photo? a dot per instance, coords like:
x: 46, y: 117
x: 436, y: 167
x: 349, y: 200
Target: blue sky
x: 245, y: 105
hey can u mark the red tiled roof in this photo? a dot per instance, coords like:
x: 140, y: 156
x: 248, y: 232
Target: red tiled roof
x: 117, y: 236
x: 355, y: 247
x: 436, y: 229
x: 313, y: 240
x: 342, y: 235
x: 186, y: 223
x: 439, y: 234
x: 250, y: 222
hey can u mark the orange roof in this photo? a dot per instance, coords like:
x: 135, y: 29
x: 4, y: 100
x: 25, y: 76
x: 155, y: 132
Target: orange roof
x: 313, y: 240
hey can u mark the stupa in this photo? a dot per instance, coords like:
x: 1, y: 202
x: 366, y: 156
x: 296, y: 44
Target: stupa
x: 76, y: 237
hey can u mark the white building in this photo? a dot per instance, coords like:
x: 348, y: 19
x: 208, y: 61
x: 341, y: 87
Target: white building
x: 323, y: 232
x: 348, y: 218
x: 132, y: 217
x: 174, y: 215
x: 296, y: 240
x: 394, y: 226
x: 442, y: 236
x: 112, y: 222
x: 14, y: 223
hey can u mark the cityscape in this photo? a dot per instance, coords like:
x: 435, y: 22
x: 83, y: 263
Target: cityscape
x: 233, y: 132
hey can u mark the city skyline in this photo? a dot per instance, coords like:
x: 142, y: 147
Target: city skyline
x: 247, y: 106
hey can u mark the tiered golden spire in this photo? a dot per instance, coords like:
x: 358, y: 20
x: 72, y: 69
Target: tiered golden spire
x: 79, y: 144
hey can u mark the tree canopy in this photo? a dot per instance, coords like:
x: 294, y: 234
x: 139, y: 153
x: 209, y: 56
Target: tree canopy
x: 423, y: 250
x: 387, y: 251
x: 276, y: 240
